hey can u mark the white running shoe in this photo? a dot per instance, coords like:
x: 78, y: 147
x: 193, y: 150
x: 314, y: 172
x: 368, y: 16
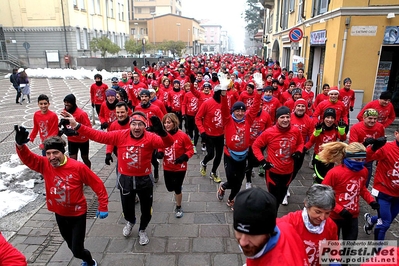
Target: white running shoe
x: 285, y: 201
x: 288, y: 193
x: 127, y: 230
x: 143, y: 238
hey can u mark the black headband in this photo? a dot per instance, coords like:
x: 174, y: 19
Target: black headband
x: 55, y: 146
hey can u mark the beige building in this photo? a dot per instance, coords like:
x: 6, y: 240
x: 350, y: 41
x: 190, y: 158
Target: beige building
x: 42, y: 32
x: 337, y: 39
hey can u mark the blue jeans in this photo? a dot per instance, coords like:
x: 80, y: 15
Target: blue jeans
x: 389, y: 209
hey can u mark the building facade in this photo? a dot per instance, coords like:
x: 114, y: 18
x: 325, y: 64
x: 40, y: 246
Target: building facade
x: 45, y: 32
x: 213, y: 38
x: 333, y: 40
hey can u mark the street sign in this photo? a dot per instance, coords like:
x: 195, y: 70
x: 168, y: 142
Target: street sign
x: 26, y: 45
x: 295, y: 46
x: 295, y: 34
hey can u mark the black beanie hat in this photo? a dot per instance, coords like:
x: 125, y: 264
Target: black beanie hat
x: 238, y: 106
x: 386, y: 95
x: 255, y: 212
x: 176, y: 81
x: 145, y: 92
x: 283, y: 110
x: 330, y: 112
x: 70, y: 98
x: 268, y: 88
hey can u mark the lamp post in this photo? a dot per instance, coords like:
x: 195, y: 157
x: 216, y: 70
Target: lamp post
x: 178, y: 31
x: 153, y: 27
x: 188, y: 41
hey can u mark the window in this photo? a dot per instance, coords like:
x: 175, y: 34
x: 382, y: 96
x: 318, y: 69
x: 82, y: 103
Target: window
x: 111, y: 9
x: 122, y: 12
x: 138, y: 10
x: 292, y: 5
x: 300, y: 10
x: 286, y: 57
x: 85, y: 39
x: 277, y: 16
x: 98, y: 7
x: 113, y: 37
x: 284, y: 15
x: 152, y: 9
x: 78, y: 41
x: 119, y: 11
x: 133, y: 31
x: 95, y: 34
x: 323, y: 6
x: 270, y: 23
x: 82, y: 5
x: 75, y: 4
x: 319, y: 7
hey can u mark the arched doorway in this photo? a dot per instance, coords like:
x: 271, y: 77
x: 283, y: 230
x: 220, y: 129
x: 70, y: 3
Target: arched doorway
x: 276, y: 51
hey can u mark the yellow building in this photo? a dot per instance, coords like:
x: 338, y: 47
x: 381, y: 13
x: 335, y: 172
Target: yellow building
x: 42, y: 32
x: 341, y: 38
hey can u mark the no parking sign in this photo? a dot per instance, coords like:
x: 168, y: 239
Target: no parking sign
x: 295, y: 34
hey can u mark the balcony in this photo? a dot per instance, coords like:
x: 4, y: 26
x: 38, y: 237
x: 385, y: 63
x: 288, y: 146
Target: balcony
x: 267, y: 3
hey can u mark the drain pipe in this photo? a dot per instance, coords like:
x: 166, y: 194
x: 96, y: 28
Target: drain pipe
x: 341, y: 65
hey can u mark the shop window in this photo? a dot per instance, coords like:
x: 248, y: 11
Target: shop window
x: 319, y: 7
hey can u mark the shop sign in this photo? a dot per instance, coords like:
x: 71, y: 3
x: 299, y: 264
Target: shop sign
x: 364, y: 30
x: 381, y: 83
x: 318, y: 37
x: 391, y: 35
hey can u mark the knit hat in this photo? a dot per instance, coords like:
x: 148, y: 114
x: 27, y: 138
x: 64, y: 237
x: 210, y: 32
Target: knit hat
x: 70, y: 98
x: 176, y: 81
x: 255, y: 212
x: 114, y: 79
x: 300, y: 101
x: 330, y: 112
x: 295, y: 91
x: 238, y: 106
x: 283, y: 110
x: 207, y: 85
x: 110, y: 92
x: 370, y: 112
x: 144, y: 92
x: 268, y: 88
x: 386, y: 95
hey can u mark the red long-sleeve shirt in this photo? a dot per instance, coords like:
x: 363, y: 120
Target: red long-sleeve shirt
x: 359, y: 132
x: 9, y: 255
x: 190, y: 104
x: 261, y: 122
x: 149, y: 112
x: 347, y: 97
x: 319, y: 98
x: 134, y: 91
x: 386, y: 114
x: 339, y: 107
x: 246, y: 98
x: 46, y: 124
x: 134, y: 155
x: 386, y: 178
x: 304, y: 124
x: 181, y: 145
x: 310, y: 240
x: 106, y: 114
x: 80, y: 117
x: 209, y: 118
x: 115, y: 126
x: 348, y: 186
x: 237, y: 134
x: 325, y: 136
x: 175, y: 100
x: 279, y: 146
x: 271, y: 107
x: 161, y: 106
x: 97, y: 93
x: 308, y: 96
x: 64, y: 184
x: 299, y: 82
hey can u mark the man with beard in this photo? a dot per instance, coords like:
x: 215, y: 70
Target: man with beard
x: 64, y: 180
x: 76, y: 142
x: 97, y: 92
x: 135, y: 146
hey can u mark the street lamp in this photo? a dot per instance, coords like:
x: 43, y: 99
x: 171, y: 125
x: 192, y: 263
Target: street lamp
x: 178, y: 31
x: 188, y: 41
x: 153, y: 27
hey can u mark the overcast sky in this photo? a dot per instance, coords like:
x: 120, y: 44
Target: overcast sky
x: 224, y: 12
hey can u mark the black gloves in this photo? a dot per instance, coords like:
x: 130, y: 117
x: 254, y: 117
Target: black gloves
x: 319, y: 126
x: 92, y: 105
x: 21, y: 135
x: 108, y: 159
x: 192, y: 78
x: 351, y: 109
x: 304, y: 150
x: 69, y: 132
x: 63, y: 122
x: 203, y: 136
x: 60, y: 132
x: 181, y: 159
x: 378, y: 143
x: 104, y: 125
x: 134, y: 63
x: 346, y: 214
x: 266, y: 165
x: 375, y: 205
x: 368, y: 141
x: 160, y: 155
x: 157, y: 126
x: 296, y: 155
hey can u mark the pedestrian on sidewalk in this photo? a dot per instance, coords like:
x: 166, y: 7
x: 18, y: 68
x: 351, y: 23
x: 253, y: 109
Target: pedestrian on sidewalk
x: 64, y: 180
x: 175, y: 159
x: 23, y: 83
x: 135, y: 147
x: 14, y: 81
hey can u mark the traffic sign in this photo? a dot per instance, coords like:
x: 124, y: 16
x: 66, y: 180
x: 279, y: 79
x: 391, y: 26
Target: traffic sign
x: 295, y: 34
x: 295, y: 46
x: 26, y: 45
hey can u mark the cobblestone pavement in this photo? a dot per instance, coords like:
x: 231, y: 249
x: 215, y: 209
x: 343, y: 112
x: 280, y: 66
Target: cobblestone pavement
x: 203, y: 236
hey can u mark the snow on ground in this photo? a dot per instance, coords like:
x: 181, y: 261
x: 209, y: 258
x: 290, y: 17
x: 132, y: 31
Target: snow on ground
x: 14, y: 195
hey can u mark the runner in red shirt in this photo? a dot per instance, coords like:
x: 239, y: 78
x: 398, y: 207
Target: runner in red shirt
x: 299, y: 79
x: 384, y: 107
x: 322, y: 96
x: 97, y: 92
x: 270, y: 104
